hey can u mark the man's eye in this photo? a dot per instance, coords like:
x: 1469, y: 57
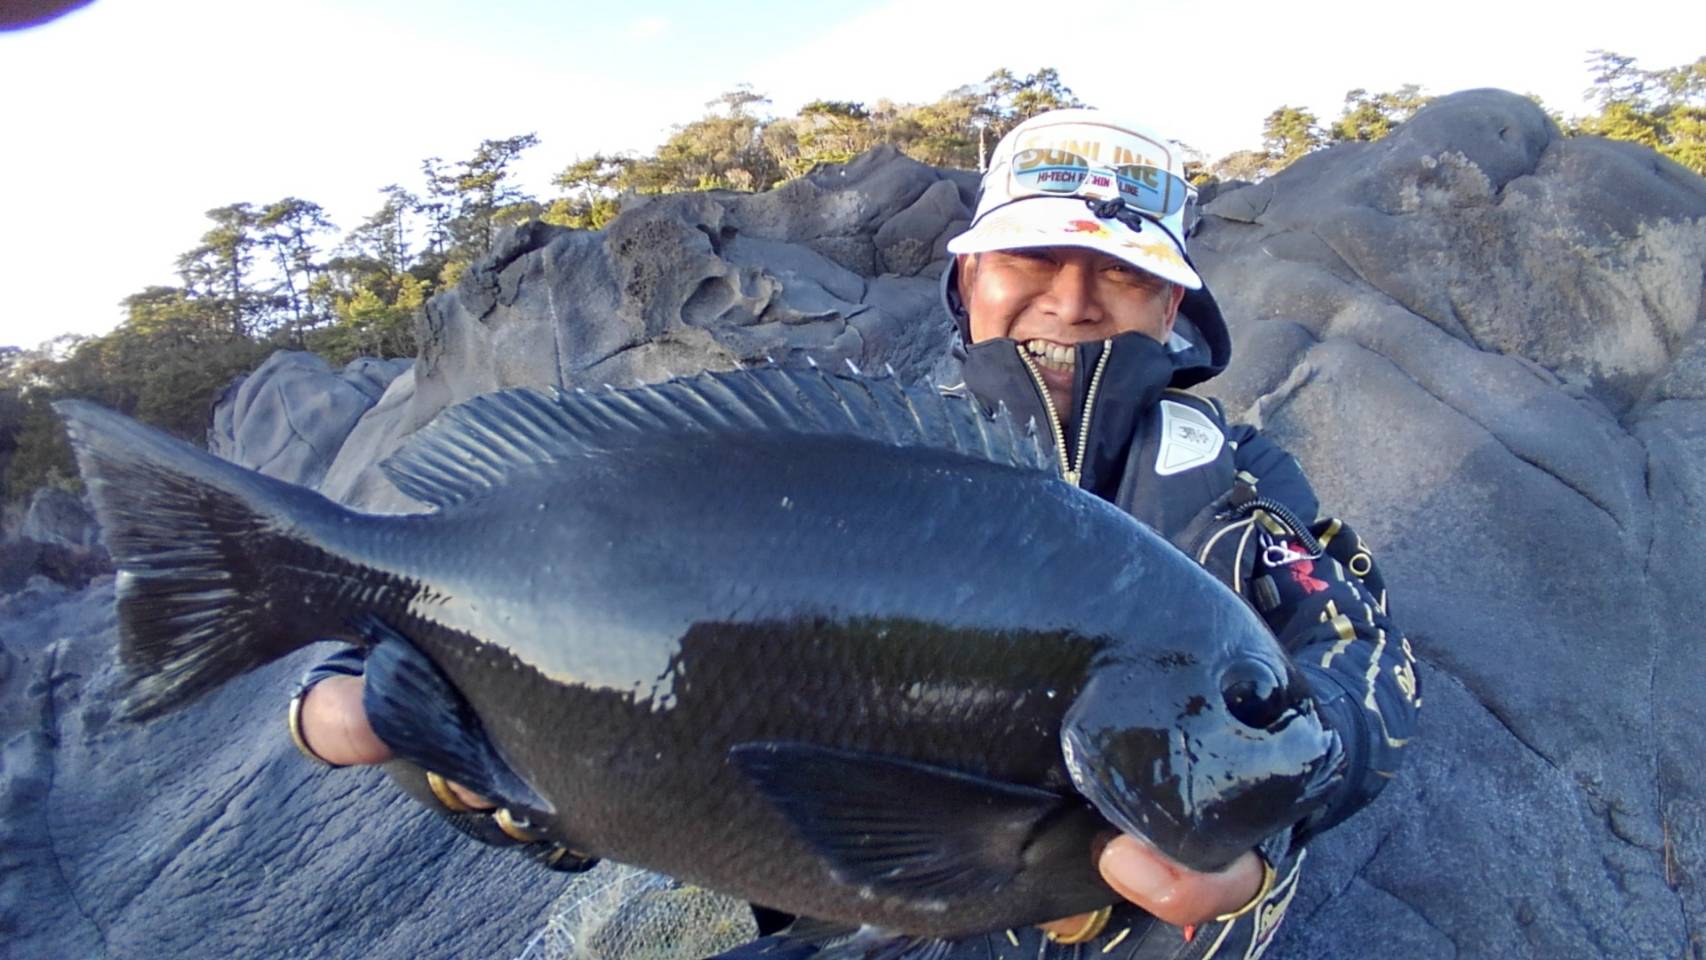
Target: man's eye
x: 1127, y: 273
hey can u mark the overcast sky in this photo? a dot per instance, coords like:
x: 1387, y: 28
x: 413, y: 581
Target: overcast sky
x: 127, y: 120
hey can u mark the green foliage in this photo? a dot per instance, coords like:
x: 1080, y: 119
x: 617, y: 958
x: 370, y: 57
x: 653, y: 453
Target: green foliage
x: 589, y: 192
x: 831, y: 131
x: 41, y: 455
x: 1010, y: 100
x: 1369, y: 116
x: 737, y: 145
x: 288, y: 228
x: 723, y: 150
x: 1290, y: 132
x: 372, y: 325
x: 1664, y: 109
x: 219, y: 271
x: 164, y: 365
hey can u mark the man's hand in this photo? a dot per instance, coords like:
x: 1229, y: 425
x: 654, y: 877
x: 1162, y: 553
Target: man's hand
x: 1174, y: 893
x: 334, y: 724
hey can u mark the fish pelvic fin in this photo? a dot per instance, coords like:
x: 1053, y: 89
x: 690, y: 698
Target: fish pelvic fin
x: 472, y: 448
x: 196, y: 541
x: 424, y: 720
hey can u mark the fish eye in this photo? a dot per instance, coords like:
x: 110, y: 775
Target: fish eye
x: 1254, y: 693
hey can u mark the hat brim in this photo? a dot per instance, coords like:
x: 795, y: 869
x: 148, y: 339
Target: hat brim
x: 1067, y: 222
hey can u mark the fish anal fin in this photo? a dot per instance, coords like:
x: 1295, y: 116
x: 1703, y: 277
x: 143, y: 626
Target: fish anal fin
x: 897, y: 825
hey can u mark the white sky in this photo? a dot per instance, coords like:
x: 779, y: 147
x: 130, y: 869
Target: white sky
x: 122, y: 123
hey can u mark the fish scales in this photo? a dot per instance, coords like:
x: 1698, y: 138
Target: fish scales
x: 822, y: 668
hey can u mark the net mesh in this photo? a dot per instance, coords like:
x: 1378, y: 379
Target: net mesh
x: 613, y: 912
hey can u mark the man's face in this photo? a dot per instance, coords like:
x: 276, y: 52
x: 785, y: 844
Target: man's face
x: 1050, y: 299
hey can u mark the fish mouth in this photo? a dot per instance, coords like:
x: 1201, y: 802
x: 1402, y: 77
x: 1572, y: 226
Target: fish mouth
x: 1102, y: 794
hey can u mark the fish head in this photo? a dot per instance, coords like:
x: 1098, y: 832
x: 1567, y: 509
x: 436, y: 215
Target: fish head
x: 1205, y: 760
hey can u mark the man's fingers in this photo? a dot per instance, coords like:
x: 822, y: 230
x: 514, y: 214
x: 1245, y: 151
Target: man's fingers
x: 1176, y: 894
x: 468, y: 797
x: 334, y: 724
x: 1069, y: 926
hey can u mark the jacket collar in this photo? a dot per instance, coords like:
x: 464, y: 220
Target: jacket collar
x: 1137, y: 371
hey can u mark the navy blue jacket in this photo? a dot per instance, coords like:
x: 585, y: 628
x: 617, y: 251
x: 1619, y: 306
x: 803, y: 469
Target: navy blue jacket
x: 1229, y: 497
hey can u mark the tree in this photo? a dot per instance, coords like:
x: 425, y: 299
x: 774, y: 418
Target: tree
x: 832, y: 131
x: 723, y: 150
x: 220, y: 268
x: 1369, y: 116
x: 438, y: 205
x: 950, y: 132
x: 1009, y: 101
x: 486, y: 196
x: 1248, y: 165
x: 369, y: 325
x: 1287, y: 134
x: 289, y: 228
x: 377, y: 253
x: 590, y: 187
x: 1664, y: 109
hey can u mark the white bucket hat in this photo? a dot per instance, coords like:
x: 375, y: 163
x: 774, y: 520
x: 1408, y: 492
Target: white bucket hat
x: 1079, y: 178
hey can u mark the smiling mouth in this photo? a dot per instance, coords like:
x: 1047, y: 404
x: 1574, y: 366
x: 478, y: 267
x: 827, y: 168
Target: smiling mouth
x: 1059, y: 357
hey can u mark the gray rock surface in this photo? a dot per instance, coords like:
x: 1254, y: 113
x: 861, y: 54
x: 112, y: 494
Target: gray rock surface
x: 205, y: 834
x: 291, y: 416
x: 839, y: 266
x: 56, y: 538
x: 60, y: 517
x: 1482, y: 340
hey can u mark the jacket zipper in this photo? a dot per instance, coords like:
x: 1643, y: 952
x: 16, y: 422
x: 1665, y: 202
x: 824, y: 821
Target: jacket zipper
x: 1072, y: 470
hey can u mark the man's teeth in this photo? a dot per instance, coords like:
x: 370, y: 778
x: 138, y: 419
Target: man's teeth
x: 1055, y: 356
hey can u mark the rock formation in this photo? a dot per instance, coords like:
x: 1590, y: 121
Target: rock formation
x: 1482, y: 339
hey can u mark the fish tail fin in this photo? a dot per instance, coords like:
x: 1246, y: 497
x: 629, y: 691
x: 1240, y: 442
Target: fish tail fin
x: 197, y: 542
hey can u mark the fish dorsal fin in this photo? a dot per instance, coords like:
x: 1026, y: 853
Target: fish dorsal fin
x: 472, y: 447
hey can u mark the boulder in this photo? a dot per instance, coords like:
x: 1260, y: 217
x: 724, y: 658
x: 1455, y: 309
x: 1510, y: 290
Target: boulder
x: 291, y: 416
x: 55, y: 539
x: 59, y: 517
x: 839, y: 266
x: 1482, y: 340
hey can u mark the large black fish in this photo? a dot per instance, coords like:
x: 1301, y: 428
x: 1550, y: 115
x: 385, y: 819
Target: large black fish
x: 840, y: 648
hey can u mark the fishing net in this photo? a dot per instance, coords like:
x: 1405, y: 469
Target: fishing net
x: 613, y: 912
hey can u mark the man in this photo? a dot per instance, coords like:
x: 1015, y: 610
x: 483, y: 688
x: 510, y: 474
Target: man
x: 1079, y: 309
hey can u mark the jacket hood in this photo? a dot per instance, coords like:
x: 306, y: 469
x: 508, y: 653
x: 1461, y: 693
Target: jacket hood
x: 1199, y: 348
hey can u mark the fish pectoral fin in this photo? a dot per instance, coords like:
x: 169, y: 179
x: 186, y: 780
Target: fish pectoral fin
x: 898, y: 825
x: 421, y: 717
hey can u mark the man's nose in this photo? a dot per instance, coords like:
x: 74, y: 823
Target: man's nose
x: 1074, y: 294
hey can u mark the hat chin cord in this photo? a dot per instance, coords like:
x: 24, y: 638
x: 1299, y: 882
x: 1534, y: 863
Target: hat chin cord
x: 1114, y: 208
